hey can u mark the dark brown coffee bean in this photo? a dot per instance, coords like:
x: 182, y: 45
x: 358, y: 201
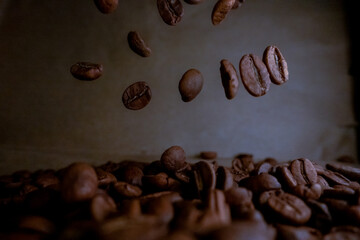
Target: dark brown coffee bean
x: 286, y: 207
x: 187, y: 214
x: 276, y: 65
x: 237, y: 196
x: 161, y: 207
x: 160, y: 182
x: 261, y: 183
x: 262, y: 167
x: 254, y: 75
x: 287, y: 232
x: 173, y: 196
x: 127, y: 190
x: 220, y: 10
x: 224, y: 178
x: 106, y: 6
x: 190, y: 84
x: 205, y: 177
x: 137, y: 96
x: 79, y: 183
x: 335, y: 178
x: 101, y: 206
x: 303, y: 171
x: 137, y: 44
x: 238, y: 4
x: 320, y: 215
x: 86, y: 70
x: 343, y: 232
x: 229, y: 79
x: 287, y: 177
x: 104, y: 178
x: 350, y: 172
x: 130, y: 207
x: 171, y: 11
x: 323, y: 183
x: 131, y: 174
x: 243, y: 162
x: 36, y: 224
x: 312, y: 191
x: 239, y: 175
x: 339, y: 192
x: 46, y: 179
x: 173, y: 158
x: 208, y: 155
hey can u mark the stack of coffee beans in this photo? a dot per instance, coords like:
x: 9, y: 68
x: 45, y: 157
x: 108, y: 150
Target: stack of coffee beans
x: 173, y: 199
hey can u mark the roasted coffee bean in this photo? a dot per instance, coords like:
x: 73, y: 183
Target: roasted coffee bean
x: 106, y: 6
x: 130, y: 208
x: 47, y: 178
x: 303, y: 171
x: 173, y: 158
x: 224, y: 178
x: 171, y: 11
x: 343, y: 232
x: 160, y: 182
x: 238, y: 195
x: 243, y: 162
x: 261, y: 183
x: 137, y: 44
x: 276, y: 65
x: 161, y: 207
x: 229, y: 79
x: 239, y: 175
x: 131, y: 174
x: 101, y: 206
x: 104, y: 178
x: 137, y: 96
x: 339, y: 192
x: 79, y: 183
x: 36, y: 224
x: 254, y: 75
x: 126, y: 190
x: 351, y: 173
x: 86, y: 70
x: 208, y: 155
x: 258, y: 230
x: 262, y: 167
x: 312, y: 191
x: 286, y: 207
x: 346, y: 159
x: 205, y: 177
x: 238, y: 4
x: 287, y: 232
x: 320, y: 215
x: 287, y: 177
x: 334, y: 178
x: 220, y: 10
x: 190, y: 84
x: 323, y: 183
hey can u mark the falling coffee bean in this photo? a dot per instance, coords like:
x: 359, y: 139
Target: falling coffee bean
x: 254, y: 75
x: 229, y: 78
x: 173, y: 158
x: 86, y: 70
x: 190, y: 84
x: 137, y: 96
x: 171, y: 11
x: 238, y: 4
x: 276, y: 65
x: 137, y: 44
x: 220, y: 10
x: 106, y: 6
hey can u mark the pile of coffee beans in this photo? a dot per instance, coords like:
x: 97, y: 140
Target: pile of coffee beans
x: 171, y: 198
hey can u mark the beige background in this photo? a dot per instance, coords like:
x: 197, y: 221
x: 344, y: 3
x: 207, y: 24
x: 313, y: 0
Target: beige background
x: 49, y: 119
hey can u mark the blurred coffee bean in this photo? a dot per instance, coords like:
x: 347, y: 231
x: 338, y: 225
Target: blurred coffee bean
x: 138, y: 45
x: 243, y: 162
x: 101, y: 206
x: 349, y: 172
x: 106, y: 6
x: 287, y: 232
x: 104, y: 178
x: 173, y: 158
x: 126, y: 190
x: 208, y: 155
x: 224, y: 178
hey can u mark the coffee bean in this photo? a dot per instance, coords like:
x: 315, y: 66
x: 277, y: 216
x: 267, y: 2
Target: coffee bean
x: 224, y: 178
x: 276, y: 65
x: 101, y: 206
x: 173, y: 158
x: 238, y: 4
x: 254, y: 75
x: 106, y: 6
x: 160, y: 182
x: 238, y: 195
x: 205, y: 177
x: 208, y: 155
x: 79, y: 183
x: 190, y: 84
x: 260, y: 183
x: 131, y: 174
x: 335, y: 178
x: 171, y: 11
x: 312, y: 191
x: 243, y: 162
x: 127, y: 190
x: 104, y: 178
x: 287, y: 232
x: 344, y: 232
x: 194, y: 1
x: 161, y: 207
x: 303, y: 171
x: 137, y: 44
x: 86, y: 70
x: 351, y: 173
x: 36, y: 224
x: 262, y: 167
x: 130, y: 207
x: 287, y: 207
x: 229, y: 78
x: 220, y: 10
x: 137, y: 96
